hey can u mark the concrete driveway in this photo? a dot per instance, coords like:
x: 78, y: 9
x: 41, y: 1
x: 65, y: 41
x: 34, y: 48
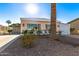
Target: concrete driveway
x: 6, y: 40
x: 74, y: 36
x: 72, y: 39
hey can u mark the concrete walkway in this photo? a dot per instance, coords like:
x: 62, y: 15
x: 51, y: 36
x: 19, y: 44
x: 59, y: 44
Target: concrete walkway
x: 6, y: 40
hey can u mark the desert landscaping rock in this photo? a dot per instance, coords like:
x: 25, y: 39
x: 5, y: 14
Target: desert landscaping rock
x: 42, y: 47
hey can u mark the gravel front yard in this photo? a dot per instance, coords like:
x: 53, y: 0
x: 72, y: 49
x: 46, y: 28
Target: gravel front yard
x: 43, y: 47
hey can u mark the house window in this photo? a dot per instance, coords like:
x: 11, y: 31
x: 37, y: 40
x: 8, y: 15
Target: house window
x: 31, y: 26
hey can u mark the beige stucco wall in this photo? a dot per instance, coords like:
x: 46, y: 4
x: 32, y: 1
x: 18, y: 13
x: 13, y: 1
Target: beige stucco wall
x: 75, y: 24
x: 27, y: 21
x: 3, y: 29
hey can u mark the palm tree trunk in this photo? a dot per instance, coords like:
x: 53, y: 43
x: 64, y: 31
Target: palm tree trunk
x: 53, y: 21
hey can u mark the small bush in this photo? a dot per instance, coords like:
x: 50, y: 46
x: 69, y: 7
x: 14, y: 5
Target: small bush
x: 39, y: 32
x: 24, y: 32
x: 28, y: 39
x: 9, y: 31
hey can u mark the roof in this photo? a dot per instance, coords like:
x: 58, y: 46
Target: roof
x: 73, y: 20
x: 36, y: 19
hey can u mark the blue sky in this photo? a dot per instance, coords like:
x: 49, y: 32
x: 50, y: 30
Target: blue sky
x: 65, y: 12
x: 16, y: 11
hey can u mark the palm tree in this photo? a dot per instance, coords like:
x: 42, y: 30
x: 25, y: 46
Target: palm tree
x: 53, y: 21
x: 9, y: 22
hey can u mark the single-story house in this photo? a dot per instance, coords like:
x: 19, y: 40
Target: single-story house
x: 74, y: 26
x: 44, y: 25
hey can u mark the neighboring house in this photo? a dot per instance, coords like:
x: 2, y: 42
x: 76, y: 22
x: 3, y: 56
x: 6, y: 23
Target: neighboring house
x: 3, y: 30
x: 44, y: 25
x: 74, y: 26
x: 15, y: 28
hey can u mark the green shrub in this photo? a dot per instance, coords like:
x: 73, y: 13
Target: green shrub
x: 9, y: 31
x: 39, y: 32
x: 24, y: 32
x: 28, y: 38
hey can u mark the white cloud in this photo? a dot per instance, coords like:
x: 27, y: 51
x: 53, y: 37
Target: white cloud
x: 62, y: 20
